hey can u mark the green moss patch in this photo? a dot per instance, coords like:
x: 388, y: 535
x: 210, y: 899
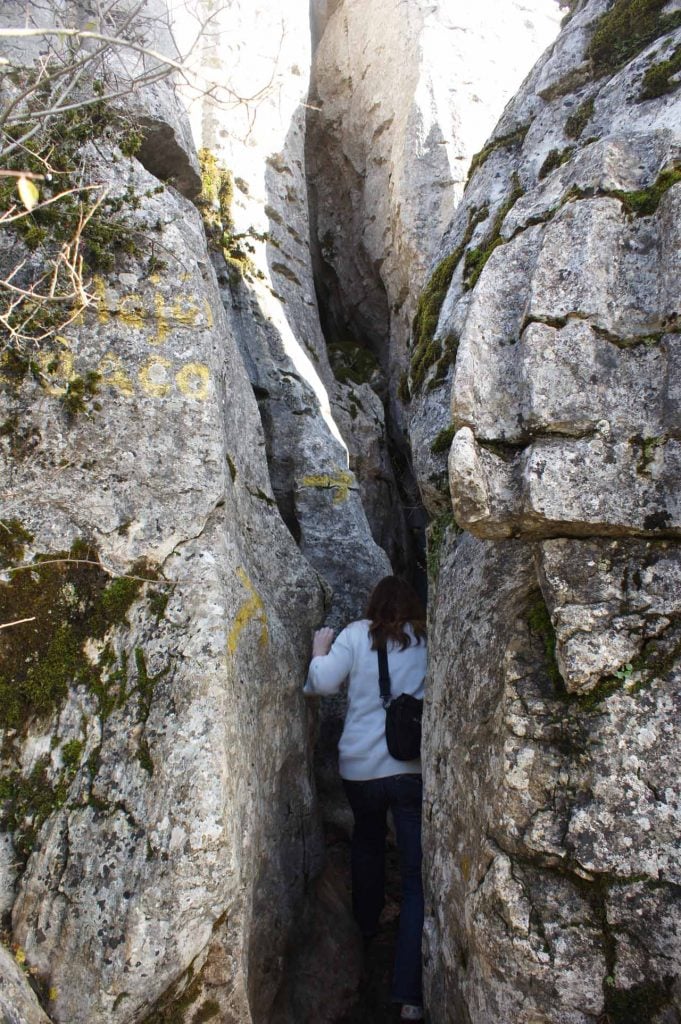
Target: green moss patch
x: 443, y: 441
x: 71, y: 754
x: 79, y: 392
x: 577, y: 121
x: 627, y: 29
x: 351, y: 362
x: 477, y: 258
x: 70, y: 599
x: 639, y: 203
x: 508, y: 141
x: 215, y: 205
x: 217, y: 193
x: 555, y: 158
x: 539, y: 621
x: 426, y: 350
x: 13, y: 539
x: 450, y: 347
x: 437, y: 533
x: 644, y: 202
x: 662, y: 78
x: 27, y: 802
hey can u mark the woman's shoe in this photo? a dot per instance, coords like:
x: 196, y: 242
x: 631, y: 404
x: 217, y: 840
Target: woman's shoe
x: 410, y: 1012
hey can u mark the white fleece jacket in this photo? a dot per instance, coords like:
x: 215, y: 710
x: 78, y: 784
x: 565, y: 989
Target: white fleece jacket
x: 363, y: 753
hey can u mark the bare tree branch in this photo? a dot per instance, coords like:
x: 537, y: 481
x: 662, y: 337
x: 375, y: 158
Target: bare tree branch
x: 77, y: 33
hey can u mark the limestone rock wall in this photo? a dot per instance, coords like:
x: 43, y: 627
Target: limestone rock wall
x: 402, y: 95
x: 157, y: 796
x: 195, y: 474
x: 553, y: 800
x: 318, y: 430
x: 18, y: 1002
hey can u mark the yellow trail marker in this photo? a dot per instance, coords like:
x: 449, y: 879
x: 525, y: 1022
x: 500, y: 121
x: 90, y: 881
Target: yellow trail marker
x: 340, y: 482
x: 251, y: 609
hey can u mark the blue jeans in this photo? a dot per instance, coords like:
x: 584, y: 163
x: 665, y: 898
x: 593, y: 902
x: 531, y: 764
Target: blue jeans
x: 370, y: 801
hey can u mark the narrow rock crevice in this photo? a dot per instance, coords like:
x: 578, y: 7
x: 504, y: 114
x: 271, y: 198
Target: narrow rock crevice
x: 358, y: 340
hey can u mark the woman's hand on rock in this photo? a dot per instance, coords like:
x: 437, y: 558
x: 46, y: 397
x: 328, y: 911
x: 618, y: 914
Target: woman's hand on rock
x: 321, y: 643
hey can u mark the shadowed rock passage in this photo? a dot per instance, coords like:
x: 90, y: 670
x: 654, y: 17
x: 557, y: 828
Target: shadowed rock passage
x: 220, y: 452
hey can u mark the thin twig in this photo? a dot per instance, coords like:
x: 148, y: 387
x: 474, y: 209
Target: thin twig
x: 34, y: 566
x: 77, y: 33
x: 7, y: 219
x: 17, y: 622
x: 21, y: 174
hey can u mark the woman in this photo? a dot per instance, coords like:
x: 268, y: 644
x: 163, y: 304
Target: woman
x: 373, y: 780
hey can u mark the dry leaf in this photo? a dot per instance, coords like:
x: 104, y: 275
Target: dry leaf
x: 28, y: 193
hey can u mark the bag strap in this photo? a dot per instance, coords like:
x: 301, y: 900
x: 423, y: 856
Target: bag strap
x: 383, y: 675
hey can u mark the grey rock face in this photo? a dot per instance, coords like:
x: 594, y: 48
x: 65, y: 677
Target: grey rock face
x: 129, y: 879
x: 553, y: 817
x: 565, y: 357
x: 403, y: 94
x: 177, y: 825
x: 273, y: 309
x: 183, y: 833
x: 553, y: 803
x: 18, y: 1003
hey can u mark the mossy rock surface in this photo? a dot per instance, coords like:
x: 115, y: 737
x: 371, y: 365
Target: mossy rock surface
x: 476, y: 258
x: 28, y: 801
x: 427, y: 350
x: 554, y: 159
x: 662, y: 78
x: 352, y: 363
x: 437, y: 533
x: 539, y: 621
x: 443, y: 440
x: 577, y: 121
x: 625, y: 30
x: 507, y: 141
x: 69, y: 599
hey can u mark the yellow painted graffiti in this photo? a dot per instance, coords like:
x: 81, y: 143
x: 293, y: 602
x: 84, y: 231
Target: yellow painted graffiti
x: 193, y: 380
x: 159, y: 375
x: 161, y: 320
x: 250, y: 610
x: 112, y: 374
x: 179, y: 311
x: 154, y: 377
x: 340, y: 483
x: 131, y: 311
x: 56, y: 370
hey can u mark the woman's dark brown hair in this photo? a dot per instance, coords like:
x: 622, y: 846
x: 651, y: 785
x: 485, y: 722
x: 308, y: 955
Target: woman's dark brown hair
x: 393, y: 604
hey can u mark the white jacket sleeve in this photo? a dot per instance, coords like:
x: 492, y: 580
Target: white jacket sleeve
x: 328, y: 671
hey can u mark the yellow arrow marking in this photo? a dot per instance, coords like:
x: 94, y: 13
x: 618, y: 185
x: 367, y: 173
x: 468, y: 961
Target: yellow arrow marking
x: 340, y: 482
x: 251, y: 609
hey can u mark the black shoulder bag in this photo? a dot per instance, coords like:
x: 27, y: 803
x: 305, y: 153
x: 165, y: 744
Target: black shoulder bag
x: 402, y: 716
